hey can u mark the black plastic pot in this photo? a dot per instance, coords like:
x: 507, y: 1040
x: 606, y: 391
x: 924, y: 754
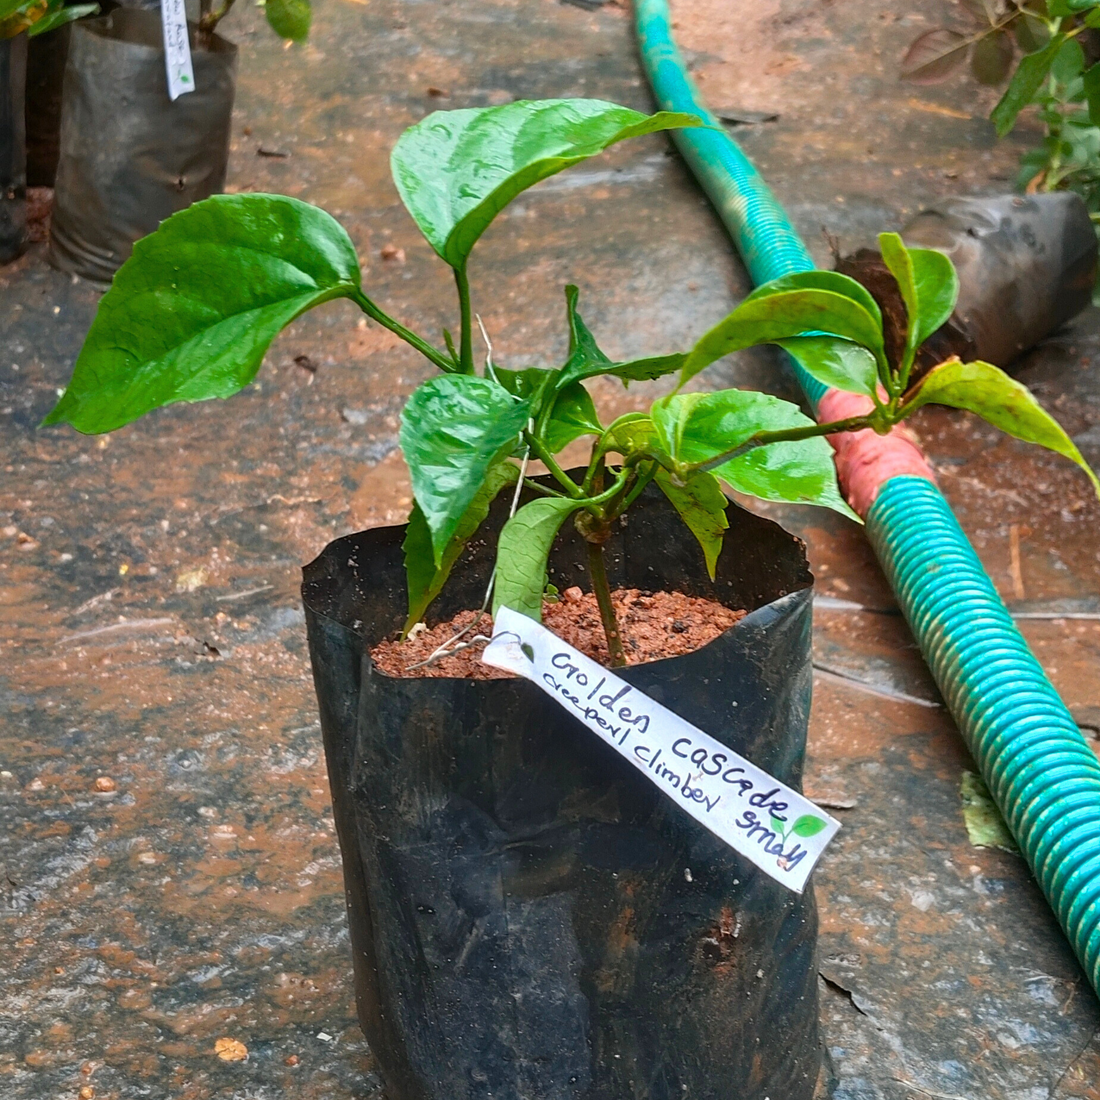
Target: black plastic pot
x: 130, y: 157
x: 46, y: 57
x: 13, y: 148
x: 1026, y: 265
x: 530, y: 918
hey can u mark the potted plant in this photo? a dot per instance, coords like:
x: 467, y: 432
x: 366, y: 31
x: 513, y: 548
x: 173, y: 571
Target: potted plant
x: 529, y: 915
x: 131, y: 155
x: 47, y: 52
x: 20, y: 20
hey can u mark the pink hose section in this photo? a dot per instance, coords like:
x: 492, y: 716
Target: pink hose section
x: 865, y: 460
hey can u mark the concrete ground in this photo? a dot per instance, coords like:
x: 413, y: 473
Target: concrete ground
x: 169, y: 871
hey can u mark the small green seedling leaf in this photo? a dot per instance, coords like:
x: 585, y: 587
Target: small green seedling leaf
x: 838, y: 363
x: 426, y: 579
x: 808, y: 825
x: 453, y: 429
x: 928, y: 284
x: 456, y: 170
x: 191, y: 314
x: 1026, y: 81
x: 522, y: 554
x: 586, y: 360
x: 289, y: 18
x: 702, y: 506
x: 699, y: 427
x: 832, y: 281
x: 769, y: 318
x: 574, y: 415
x: 1002, y: 401
x: 779, y: 825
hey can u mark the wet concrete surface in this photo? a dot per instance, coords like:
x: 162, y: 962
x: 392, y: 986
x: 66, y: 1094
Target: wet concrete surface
x: 169, y: 871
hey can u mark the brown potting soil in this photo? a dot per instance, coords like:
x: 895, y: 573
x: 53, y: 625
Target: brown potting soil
x: 653, y: 624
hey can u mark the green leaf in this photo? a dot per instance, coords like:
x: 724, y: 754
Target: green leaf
x: 698, y: 427
x: 453, y: 429
x: 58, y: 15
x: 928, y: 284
x: 456, y: 170
x: 586, y: 360
x: 425, y: 579
x: 808, y: 825
x: 1026, y: 81
x: 768, y: 318
x: 779, y: 825
x: 822, y: 280
x: 574, y: 415
x: 289, y: 18
x: 522, y: 553
x: 1002, y: 401
x: 985, y: 826
x: 702, y: 506
x: 1069, y: 62
x: 1092, y: 92
x: 838, y: 363
x: 191, y: 314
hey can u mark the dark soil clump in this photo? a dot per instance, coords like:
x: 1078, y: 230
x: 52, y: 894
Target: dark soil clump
x: 654, y: 625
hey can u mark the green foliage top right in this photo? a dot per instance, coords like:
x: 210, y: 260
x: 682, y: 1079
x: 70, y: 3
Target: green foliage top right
x: 1055, y: 48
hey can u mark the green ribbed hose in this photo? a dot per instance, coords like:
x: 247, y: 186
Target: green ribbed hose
x: 1039, y: 768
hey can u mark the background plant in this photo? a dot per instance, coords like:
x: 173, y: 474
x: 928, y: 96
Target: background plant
x: 190, y: 316
x: 1055, y: 49
x: 39, y: 16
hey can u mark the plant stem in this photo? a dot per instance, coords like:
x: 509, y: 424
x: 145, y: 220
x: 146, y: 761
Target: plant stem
x: 208, y: 19
x: 598, y: 575
x: 542, y: 453
x: 466, y: 336
x: 433, y: 355
x: 788, y: 435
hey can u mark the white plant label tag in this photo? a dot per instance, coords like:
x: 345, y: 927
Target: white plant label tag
x: 177, y: 48
x: 771, y: 825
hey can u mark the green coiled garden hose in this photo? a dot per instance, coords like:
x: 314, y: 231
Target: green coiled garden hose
x: 1038, y: 766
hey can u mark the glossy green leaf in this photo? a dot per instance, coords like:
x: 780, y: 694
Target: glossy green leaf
x: 822, y: 280
x: 837, y: 363
x: 1032, y: 70
x: 191, y: 314
x: 522, y: 554
x: 768, y: 318
x: 289, y: 18
x: 633, y: 433
x: 1000, y: 400
x: 808, y: 825
x: 699, y: 427
x: 456, y: 170
x: 453, y: 429
x: 58, y: 15
x: 928, y: 284
x: 702, y: 506
x: 586, y: 360
x: 426, y: 579
x: 572, y: 415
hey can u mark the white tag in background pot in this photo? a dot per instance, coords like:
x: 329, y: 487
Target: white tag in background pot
x: 771, y: 825
x: 177, y: 48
